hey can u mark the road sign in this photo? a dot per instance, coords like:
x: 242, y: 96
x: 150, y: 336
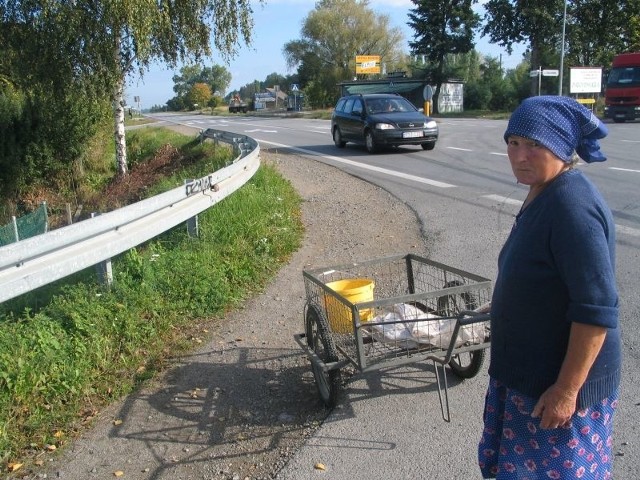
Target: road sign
x: 294, y: 87
x: 427, y: 93
x: 550, y: 73
x: 534, y: 73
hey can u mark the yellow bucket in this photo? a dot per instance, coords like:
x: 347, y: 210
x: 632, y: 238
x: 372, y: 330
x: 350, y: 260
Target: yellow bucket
x: 355, y: 290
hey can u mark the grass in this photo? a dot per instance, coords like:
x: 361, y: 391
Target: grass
x: 80, y: 347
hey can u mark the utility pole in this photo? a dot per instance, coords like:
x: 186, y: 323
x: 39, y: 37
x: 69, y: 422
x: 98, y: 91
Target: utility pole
x: 564, y: 25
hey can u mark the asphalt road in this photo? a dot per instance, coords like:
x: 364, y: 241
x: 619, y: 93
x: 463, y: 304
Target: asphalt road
x: 465, y: 196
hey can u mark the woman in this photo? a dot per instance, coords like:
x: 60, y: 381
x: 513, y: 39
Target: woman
x: 555, y: 343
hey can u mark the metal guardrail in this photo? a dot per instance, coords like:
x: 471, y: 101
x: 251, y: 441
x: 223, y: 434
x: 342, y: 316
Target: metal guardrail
x: 37, y: 261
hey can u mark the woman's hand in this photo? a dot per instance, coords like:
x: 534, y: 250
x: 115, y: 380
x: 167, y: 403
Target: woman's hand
x: 558, y: 403
x: 555, y: 407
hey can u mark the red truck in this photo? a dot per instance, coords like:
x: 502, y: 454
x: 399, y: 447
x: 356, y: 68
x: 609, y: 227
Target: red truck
x: 622, y: 96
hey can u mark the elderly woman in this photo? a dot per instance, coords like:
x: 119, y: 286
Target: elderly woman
x: 555, y: 342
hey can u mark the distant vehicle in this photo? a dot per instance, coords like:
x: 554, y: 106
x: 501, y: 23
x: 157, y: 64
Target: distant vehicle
x: 236, y: 105
x: 622, y: 96
x: 379, y: 120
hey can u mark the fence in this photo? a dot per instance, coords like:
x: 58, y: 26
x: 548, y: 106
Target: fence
x: 37, y: 261
x: 27, y: 226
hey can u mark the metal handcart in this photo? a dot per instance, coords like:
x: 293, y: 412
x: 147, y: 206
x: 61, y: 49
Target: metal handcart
x: 393, y: 311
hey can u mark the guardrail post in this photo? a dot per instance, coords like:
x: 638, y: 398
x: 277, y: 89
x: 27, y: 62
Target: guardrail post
x: 192, y: 223
x: 69, y: 217
x: 192, y: 227
x: 16, y: 235
x: 103, y: 269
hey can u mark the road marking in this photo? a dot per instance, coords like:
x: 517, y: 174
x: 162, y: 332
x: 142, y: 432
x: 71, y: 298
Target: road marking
x: 512, y: 201
x: 621, y: 229
x: 461, y: 149
x: 391, y: 173
x: 501, y: 199
x: 624, y: 169
x: 261, y: 130
x: 498, y: 153
x: 634, y: 232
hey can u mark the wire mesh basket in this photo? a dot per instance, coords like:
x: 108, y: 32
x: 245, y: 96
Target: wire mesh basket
x: 394, y: 310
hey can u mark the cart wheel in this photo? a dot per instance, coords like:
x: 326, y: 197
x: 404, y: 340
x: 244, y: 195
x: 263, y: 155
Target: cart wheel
x: 319, y: 340
x: 467, y: 364
x: 449, y: 305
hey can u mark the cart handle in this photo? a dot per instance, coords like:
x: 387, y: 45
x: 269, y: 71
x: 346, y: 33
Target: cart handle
x: 467, y: 317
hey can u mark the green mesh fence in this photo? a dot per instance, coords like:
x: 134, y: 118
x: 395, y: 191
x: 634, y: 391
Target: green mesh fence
x: 29, y: 225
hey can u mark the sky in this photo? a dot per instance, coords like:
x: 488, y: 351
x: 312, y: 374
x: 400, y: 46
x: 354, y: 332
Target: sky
x: 277, y: 22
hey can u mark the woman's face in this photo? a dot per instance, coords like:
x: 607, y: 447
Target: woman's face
x: 532, y: 164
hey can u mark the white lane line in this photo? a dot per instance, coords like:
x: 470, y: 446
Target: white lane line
x: 621, y: 229
x: 461, y: 149
x: 498, y: 153
x: 363, y: 166
x: 631, y: 141
x: 501, y: 199
x: 634, y: 232
x: 624, y: 169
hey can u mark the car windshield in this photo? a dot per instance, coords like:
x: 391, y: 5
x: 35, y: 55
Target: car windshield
x: 389, y: 105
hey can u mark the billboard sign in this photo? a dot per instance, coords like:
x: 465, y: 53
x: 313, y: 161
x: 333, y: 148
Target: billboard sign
x: 585, y: 80
x: 367, y: 64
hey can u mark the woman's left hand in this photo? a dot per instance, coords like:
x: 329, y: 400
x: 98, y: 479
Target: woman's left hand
x: 555, y: 407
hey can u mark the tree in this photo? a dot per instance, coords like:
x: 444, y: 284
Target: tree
x: 199, y: 95
x: 274, y: 79
x: 441, y: 28
x: 216, y: 77
x: 595, y: 29
x: 106, y: 41
x: 598, y: 30
x: 332, y: 35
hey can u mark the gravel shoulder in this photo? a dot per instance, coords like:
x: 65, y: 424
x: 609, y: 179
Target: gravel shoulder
x: 242, y: 404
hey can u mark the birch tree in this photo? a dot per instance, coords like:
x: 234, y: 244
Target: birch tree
x: 104, y: 42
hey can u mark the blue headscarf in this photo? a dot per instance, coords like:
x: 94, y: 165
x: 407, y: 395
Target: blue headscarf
x: 561, y: 124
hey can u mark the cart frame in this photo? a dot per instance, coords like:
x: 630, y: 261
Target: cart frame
x: 409, y: 279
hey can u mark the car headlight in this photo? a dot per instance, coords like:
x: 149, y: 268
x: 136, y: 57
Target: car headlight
x: 430, y: 124
x: 384, y: 126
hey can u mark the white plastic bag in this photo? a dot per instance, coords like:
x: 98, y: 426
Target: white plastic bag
x: 439, y: 332
x: 406, y: 326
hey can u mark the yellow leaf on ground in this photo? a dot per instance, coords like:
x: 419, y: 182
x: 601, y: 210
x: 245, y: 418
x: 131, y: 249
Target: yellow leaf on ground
x: 118, y: 473
x: 117, y: 422
x: 51, y: 448
x: 14, y: 466
x: 58, y: 434
x: 319, y: 466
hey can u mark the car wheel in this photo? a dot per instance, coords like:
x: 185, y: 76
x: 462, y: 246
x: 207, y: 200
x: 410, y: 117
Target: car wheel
x: 428, y: 145
x: 369, y: 142
x: 337, y: 138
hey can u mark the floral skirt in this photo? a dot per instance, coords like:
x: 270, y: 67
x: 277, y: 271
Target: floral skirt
x: 514, y: 447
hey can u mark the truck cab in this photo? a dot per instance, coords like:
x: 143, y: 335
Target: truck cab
x: 622, y: 95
